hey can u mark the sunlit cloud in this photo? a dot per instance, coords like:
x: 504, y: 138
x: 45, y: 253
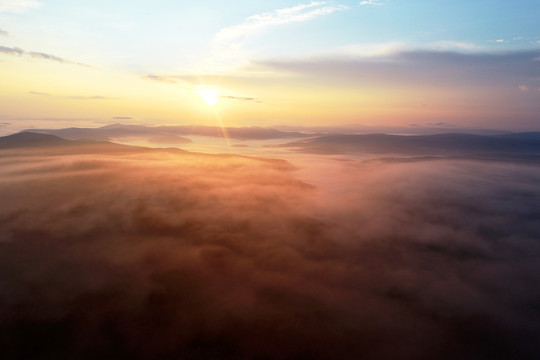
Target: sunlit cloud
x: 523, y: 88
x: 74, y: 97
x: 370, y: 2
x: 18, y: 6
x: 447, y: 45
x: 229, y: 44
x: 393, y: 48
x: 257, y: 23
x: 159, y: 78
x: 95, y: 97
x: 240, y: 98
x: 39, y: 93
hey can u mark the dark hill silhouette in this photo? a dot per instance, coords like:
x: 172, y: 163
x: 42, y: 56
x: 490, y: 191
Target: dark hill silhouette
x: 440, y: 144
x: 30, y: 139
x: 28, y: 143
x: 110, y: 132
x: 170, y: 134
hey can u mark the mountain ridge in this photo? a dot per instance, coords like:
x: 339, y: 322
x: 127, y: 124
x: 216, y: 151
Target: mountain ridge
x: 437, y: 144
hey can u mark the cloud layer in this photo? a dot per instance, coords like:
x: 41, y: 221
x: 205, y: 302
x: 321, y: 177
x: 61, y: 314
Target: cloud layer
x: 419, y: 67
x: 166, y: 255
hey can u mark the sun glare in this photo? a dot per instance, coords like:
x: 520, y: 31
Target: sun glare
x: 209, y: 96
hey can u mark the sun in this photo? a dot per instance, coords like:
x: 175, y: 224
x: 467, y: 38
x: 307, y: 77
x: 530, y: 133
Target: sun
x: 209, y: 96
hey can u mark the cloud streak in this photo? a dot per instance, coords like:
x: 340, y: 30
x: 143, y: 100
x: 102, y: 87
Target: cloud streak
x: 370, y: 2
x: 260, y: 22
x: 95, y: 97
x: 160, y: 78
x: 39, y: 93
x: 38, y: 55
x: 18, y: 6
x: 75, y: 97
x: 46, y: 56
x: 240, y: 98
x: 11, y: 50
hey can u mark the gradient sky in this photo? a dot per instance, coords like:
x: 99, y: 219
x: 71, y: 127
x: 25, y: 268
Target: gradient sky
x: 379, y: 63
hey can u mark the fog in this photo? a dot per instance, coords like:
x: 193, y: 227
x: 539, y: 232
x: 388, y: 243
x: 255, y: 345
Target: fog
x: 161, y: 255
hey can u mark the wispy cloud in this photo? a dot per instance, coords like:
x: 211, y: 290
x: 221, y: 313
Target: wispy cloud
x: 74, y: 97
x: 97, y: 97
x: 17, y: 6
x: 4, y: 33
x: 370, y: 2
x: 46, y: 56
x: 523, y: 88
x: 159, y: 78
x: 38, y: 55
x: 240, y: 98
x: 257, y: 23
x: 11, y: 50
x: 377, y: 50
x: 39, y: 93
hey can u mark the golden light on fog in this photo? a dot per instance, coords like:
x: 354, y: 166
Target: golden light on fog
x: 209, y: 96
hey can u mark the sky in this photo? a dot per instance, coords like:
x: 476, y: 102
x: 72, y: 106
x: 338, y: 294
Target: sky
x: 407, y: 63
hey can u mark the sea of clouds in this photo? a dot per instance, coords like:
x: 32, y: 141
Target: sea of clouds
x: 163, y: 255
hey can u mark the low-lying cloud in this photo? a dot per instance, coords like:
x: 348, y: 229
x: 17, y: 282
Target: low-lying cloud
x: 166, y: 255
